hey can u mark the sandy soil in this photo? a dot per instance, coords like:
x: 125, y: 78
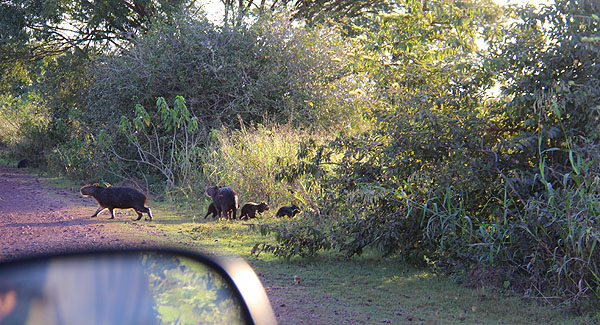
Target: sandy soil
x: 36, y: 219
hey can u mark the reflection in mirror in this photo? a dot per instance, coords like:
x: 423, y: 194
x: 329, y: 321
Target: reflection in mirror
x: 187, y: 292
x: 128, y: 288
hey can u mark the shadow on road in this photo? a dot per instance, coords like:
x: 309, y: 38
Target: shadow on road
x: 61, y: 223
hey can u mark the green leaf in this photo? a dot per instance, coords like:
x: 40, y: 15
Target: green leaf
x: 575, y: 168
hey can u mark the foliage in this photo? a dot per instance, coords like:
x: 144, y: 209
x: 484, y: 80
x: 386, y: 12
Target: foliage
x: 77, y: 158
x: 293, y: 240
x: 400, y: 202
x: 36, y: 103
x: 549, y: 68
x: 35, y: 29
x: 551, y: 71
x: 247, y: 160
x: 164, y: 140
x: 45, y: 47
x: 311, y: 11
x: 447, y: 175
x: 553, y: 237
x: 426, y: 138
x: 24, y: 127
x: 270, y: 69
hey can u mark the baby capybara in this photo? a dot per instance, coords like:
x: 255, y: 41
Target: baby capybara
x: 249, y: 210
x: 117, y: 198
x: 211, y: 210
x: 288, y: 210
x: 23, y: 163
x: 225, y: 200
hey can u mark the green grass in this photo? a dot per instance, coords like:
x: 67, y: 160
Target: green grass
x: 367, y: 289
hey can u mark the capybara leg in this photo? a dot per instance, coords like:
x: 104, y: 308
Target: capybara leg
x: 112, y: 215
x: 144, y: 210
x: 98, y: 211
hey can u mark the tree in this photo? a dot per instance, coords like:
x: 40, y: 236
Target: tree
x: 401, y: 186
x: 549, y: 67
x: 33, y: 29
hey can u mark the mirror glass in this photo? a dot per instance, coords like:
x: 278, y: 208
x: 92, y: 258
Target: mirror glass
x: 127, y: 288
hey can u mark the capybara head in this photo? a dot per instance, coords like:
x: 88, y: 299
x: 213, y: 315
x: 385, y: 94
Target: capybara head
x: 212, y: 191
x: 89, y: 189
x: 295, y: 209
x: 263, y: 206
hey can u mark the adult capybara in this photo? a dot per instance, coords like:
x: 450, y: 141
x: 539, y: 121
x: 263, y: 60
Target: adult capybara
x: 249, y: 210
x: 211, y: 210
x: 117, y: 198
x: 225, y: 200
x: 287, y: 210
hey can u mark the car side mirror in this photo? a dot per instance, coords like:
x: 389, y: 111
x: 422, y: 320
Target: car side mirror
x: 132, y: 286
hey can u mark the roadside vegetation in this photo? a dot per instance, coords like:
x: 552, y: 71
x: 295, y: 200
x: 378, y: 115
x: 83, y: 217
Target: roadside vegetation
x: 460, y: 137
x: 328, y: 288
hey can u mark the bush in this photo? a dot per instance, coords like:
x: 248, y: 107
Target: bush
x: 270, y: 69
x: 24, y: 124
x: 553, y: 238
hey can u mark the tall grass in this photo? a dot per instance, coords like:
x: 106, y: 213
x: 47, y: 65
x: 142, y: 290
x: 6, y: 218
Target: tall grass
x: 247, y: 160
x: 552, y: 240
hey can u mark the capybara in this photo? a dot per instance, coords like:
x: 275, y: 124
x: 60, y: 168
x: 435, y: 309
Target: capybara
x: 117, y: 198
x: 225, y: 200
x: 23, y: 163
x: 287, y: 210
x: 211, y: 210
x: 249, y: 210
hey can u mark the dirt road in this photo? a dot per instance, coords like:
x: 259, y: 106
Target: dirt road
x: 37, y: 219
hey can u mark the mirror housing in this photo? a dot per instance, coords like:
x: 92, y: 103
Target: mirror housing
x: 136, y: 285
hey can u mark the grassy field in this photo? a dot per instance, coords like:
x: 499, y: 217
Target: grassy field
x: 368, y: 289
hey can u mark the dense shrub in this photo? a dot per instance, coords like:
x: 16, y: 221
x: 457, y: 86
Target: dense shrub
x: 549, y: 129
x: 40, y: 117
x: 445, y: 176
x: 396, y: 188
x: 270, y: 68
x: 23, y: 125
